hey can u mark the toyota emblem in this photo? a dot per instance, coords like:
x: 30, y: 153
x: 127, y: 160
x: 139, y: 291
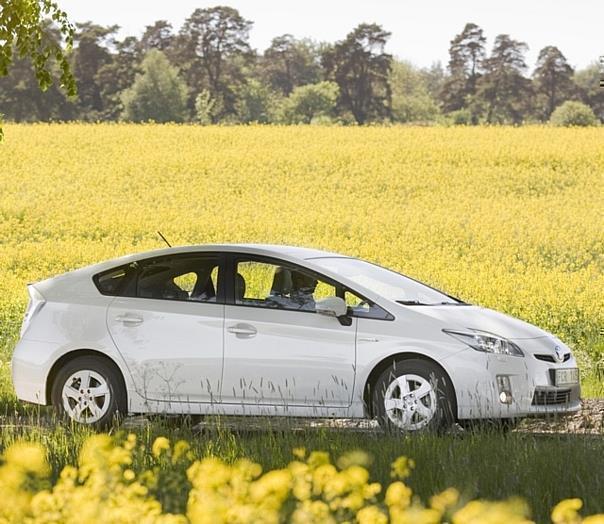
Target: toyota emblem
x: 559, y: 353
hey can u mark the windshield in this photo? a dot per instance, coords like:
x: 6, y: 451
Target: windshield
x: 384, y: 282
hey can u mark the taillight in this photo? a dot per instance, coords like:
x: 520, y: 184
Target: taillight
x: 36, y: 301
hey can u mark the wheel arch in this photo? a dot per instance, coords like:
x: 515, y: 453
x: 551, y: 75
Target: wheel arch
x: 390, y: 360
x: 76, y: 353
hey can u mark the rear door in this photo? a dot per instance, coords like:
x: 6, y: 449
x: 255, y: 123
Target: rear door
x: 168, y: 326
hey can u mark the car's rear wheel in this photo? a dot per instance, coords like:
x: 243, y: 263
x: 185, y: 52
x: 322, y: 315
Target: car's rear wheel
x: 89, y: 390
x: 413, y: 396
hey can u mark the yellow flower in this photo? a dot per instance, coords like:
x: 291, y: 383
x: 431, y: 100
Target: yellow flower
x: 181, y: 449
x: 398, y: 494
x: 354, y: 458
x: 566, y: 511
x: 129, y: 474
x: 594, y: 519
x: 401, y: 468
x: 371, y: 515
x: 512, y: 511
x: 30, y: 458
x: 444, y: 500
x: 160, y: 445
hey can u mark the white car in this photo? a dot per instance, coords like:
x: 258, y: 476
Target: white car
x: 278, y: 330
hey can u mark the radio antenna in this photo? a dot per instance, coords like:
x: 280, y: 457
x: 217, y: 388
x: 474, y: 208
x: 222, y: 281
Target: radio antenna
x: 164, y: 238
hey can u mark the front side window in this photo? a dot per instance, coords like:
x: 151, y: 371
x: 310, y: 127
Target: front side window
x: 283, y: 286
x: 278, y: 286
x: 179, y: 277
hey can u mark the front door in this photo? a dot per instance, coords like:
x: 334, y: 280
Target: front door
x: 170, y: 331
x: 278, y: 351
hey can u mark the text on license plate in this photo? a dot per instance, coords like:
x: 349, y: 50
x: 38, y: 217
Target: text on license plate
x: 565, y: 377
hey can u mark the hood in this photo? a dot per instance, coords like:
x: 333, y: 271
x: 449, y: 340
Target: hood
x: 475, y: 317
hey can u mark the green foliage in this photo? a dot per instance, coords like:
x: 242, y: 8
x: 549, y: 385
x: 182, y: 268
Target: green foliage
x: 22, y: 30
x: 213, y: 52
x: 256, y: 102
x: 467, y: 54
x: 204, y: 107
x: 91, y: 57
x: 572, y: 113
x: 360, y: 67
x: 212, y: 55
x: 157, y: 94
x: 24, y: 34
x: 553, y: 80
x: 588, y: 84
x: 411, y: 99
x: 310, y: 102
x: 503, y: 91
x: 461, y: 117
x: 289, y: 63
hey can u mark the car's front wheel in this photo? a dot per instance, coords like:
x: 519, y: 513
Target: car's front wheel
x: 89, y: 390
x: 413, y: 396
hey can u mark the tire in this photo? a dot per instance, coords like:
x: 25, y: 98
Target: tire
x: 432, y: 410
x: 101, y: 403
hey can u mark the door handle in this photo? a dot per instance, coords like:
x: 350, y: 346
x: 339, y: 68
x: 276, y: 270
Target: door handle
x: 243, y: 330
x: 129, y: 319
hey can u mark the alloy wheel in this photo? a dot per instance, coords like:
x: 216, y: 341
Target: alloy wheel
x: 86, y: 396
x: 410, y: 402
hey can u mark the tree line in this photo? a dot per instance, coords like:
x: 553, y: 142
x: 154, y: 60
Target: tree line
x: 207, y: 72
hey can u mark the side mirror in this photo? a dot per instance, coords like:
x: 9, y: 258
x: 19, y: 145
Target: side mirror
x: 334, y: 307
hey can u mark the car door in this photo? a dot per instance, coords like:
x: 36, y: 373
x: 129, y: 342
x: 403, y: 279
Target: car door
x: 278, y: 350
x: 169, y: 327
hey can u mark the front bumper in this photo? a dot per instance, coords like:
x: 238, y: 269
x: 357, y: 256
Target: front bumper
x: 530, y: 379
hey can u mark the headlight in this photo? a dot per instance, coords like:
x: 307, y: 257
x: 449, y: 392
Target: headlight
x: 487, y: 342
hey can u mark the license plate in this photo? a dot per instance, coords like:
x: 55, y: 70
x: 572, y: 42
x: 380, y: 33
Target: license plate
x: 566, y: 377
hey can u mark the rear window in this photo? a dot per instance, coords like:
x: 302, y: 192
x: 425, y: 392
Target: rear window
x: 119, y: 282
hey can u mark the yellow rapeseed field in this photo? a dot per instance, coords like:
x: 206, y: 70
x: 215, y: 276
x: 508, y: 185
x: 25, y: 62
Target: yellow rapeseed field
x: 510, y: 218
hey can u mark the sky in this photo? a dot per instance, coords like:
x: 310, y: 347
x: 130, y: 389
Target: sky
x: 421, y: 30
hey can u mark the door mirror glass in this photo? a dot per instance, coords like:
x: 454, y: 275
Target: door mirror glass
x: 331, y: 306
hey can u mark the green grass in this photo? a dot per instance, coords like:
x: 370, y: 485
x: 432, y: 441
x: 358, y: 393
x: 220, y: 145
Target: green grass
x: 485, y: 465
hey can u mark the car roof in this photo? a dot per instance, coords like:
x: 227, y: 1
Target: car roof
x: 287, y: 252
x: 299, y: 252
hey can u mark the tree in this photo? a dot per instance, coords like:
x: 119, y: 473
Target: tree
x: 553, y: 80
x: 24, y: 34
x: 590, y: 92
x: 361, y: 69
x: 310, y: 102
x: 157, y: 36
x: 157, y: 94
x: 256, y: 102
x: 91, y: 54
x: 434, y: 79
x: 411, y: 100
x: 118, y: 75
x: 21, y: 98
x: 213, y: 49
x: 573, y: 113
x: 289, y: 63
x: 467, y: 54
x: 503, y: 93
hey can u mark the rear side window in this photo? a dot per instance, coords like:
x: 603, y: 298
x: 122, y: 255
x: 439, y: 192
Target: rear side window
x: 191, y: 277
x: 117, y: 282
